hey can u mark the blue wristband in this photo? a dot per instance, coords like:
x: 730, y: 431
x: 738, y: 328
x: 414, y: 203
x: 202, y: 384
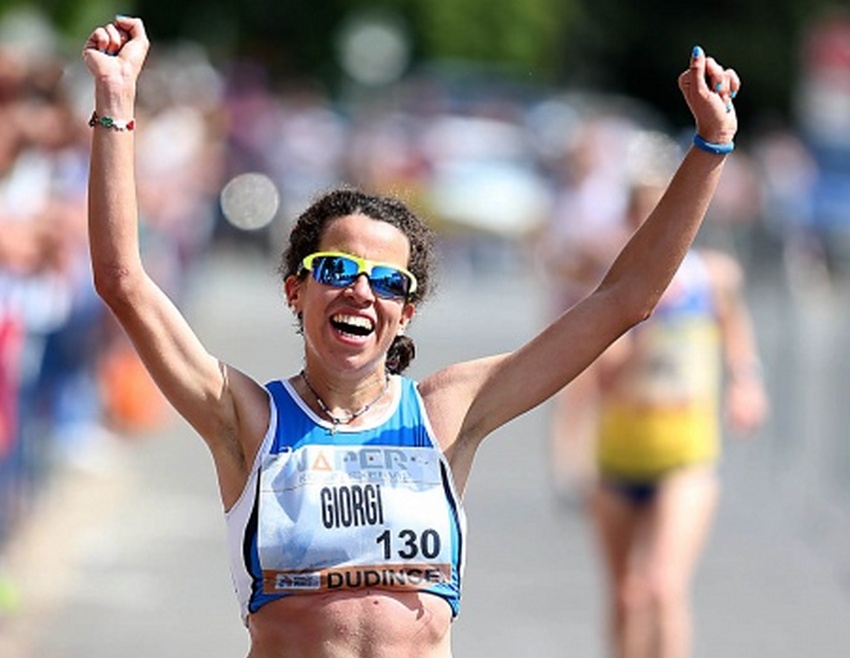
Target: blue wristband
x: 711, y: 147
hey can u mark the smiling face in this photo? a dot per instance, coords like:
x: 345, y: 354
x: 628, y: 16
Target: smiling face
x: 351, y: 328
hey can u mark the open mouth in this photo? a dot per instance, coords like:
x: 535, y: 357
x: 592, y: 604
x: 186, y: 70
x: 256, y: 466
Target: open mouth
x: 353, y: 325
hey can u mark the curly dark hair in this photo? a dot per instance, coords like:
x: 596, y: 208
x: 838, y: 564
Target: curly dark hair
x: 306, y: 236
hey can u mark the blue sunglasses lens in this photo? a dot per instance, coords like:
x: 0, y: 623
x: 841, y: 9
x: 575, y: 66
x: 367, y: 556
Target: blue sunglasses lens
x: 334, y: 271
x: 388, y: 282
x: 341, y: 272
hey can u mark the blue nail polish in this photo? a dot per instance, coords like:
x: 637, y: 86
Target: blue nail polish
x: 697, y: 52
x: 718, y: 86
x: 728, y: 107
x: 733, y: 93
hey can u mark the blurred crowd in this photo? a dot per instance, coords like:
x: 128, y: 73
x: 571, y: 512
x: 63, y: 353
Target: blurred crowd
x: 486, y: 160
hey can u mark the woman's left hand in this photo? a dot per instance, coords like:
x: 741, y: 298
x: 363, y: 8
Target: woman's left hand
x: 709, y: 90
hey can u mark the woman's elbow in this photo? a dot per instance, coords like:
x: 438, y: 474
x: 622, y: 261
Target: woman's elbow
x: 114, y: 285
x: 620, y: 307
x: 633, y: 310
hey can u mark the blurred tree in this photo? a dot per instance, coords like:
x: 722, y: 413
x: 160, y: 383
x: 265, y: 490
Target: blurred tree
x: 295, y: 39
x: 71, y: 18
x: 527, y: 34
x: 629, y: 46
x: 636, y: 46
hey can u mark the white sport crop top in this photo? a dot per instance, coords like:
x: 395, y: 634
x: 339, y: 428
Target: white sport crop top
x: 333, y: 507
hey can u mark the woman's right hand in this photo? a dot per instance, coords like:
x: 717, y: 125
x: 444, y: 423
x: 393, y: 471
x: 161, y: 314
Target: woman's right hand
x: 114, y: 54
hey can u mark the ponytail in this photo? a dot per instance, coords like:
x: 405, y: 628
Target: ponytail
x: 401, y: 353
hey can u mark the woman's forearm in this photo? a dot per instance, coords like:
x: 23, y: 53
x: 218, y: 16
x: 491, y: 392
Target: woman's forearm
x: 113, y: 213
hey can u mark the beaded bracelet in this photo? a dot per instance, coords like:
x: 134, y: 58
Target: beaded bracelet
x: 109, y: 122
x: 711, y: 147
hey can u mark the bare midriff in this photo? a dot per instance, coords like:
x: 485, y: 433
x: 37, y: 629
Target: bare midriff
x: 353, y: 624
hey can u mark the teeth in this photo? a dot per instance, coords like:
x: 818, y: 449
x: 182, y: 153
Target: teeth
x: 353, y: 321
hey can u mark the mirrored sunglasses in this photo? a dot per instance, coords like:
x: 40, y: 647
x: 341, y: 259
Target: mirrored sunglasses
x: 340, y: 270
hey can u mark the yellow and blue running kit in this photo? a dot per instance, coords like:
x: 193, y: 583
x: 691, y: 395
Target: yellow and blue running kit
x: 329, y: 508
x: 661, y: 411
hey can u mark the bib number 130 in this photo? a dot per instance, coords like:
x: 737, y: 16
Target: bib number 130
x: 409, y: 545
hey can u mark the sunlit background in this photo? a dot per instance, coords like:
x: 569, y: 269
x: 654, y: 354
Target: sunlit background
x: 483, y: 115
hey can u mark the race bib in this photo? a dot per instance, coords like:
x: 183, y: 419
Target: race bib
x: 333, y: 517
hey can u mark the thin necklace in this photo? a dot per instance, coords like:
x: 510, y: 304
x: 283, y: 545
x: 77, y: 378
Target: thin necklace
x: 336, y: 420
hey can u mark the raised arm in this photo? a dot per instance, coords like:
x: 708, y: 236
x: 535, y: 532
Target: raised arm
x: 227, y: 409
x: 500, y: 389
x: 644, y: 268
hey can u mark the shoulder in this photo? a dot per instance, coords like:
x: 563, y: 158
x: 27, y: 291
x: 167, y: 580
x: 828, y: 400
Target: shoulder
x: 465, y: 375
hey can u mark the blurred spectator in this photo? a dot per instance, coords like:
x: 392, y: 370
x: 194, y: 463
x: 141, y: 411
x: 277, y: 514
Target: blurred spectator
x: 823, y: 122
x: 310, y: 146
x: 250, y: 114
x: 584, y: 228
x: 42, y: 221
x: 788, y: 174
x: 67, y: 385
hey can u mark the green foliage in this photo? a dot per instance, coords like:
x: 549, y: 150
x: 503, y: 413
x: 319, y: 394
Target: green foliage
x: 525, y: 33
x: 71, y: 20
x: 635, y: 47
x: 638, y: 47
